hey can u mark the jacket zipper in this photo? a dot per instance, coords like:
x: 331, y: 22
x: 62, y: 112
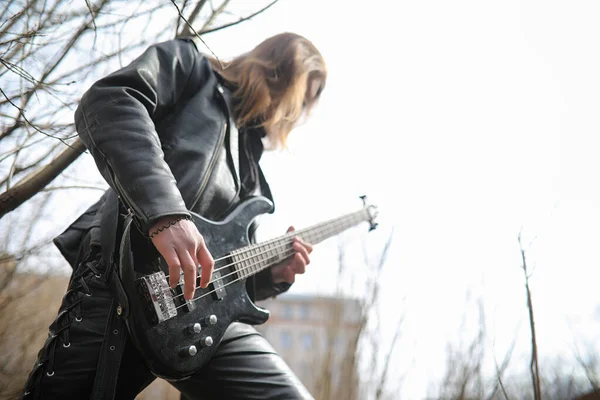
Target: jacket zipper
x: 211, y: 166
x: 131, y: 205
x: 122, y: 194
x: 238, y: 184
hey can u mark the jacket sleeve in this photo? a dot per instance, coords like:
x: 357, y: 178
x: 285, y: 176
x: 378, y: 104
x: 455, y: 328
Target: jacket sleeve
x: 263, y: 286
x: 115, y: 120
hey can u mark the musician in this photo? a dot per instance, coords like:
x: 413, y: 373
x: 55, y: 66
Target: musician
x: 173, y: 131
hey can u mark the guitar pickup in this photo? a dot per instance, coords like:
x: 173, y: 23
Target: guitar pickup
x: 216, y: 287
x: 186, y: 305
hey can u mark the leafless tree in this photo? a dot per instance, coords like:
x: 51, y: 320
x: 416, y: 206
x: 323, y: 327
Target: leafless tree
x: 464, y: 376
x: 339, y: 374
x: 533, y: 367
x: 77, y: 44
x: 50, y: 52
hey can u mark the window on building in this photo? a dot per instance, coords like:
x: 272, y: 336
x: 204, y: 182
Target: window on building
x: 304, y: 311
x: 288, y: 311
x: 340, y: 342
x: 286, y: 339
x: 307, y: 341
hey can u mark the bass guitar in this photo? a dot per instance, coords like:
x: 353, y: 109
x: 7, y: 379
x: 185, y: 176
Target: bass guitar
x: 178, y: 336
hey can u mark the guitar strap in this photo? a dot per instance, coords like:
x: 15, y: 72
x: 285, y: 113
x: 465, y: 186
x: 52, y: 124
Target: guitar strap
x: 109, y: 236
x: 115, y: 334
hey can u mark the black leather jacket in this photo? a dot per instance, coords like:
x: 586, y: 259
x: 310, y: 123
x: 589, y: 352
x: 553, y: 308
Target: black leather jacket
x: 162, y: 135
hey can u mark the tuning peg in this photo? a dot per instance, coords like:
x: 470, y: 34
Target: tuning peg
x: 372, y: 213
x: 364, y: 199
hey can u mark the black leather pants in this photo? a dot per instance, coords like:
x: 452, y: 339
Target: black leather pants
x: 88, y: 355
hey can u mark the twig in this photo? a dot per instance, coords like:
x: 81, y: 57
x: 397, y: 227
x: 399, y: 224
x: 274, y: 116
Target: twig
x: 386, y: 364
x: 31, y: 185
x: 185, y: 31
x: 35, y: 218
x: 533, y: 367
x: 22, y: 115
x: 218, y: 28
x: 89, y: 6
x: 194, y: 31
x: 62, y: 55
x: 588, y: 371
x: 215, y: 14
x: 501, y: 369
x: 11, y: 21
x: 49, y: 189
x: 18, y: 71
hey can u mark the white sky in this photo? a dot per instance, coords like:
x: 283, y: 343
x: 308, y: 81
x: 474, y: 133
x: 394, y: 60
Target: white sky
x: 466, y: 122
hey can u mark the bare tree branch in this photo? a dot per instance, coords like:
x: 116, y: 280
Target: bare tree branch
x: 218, y: 28
x: 186, y: 31
x: 40, y: 25
x: 93, y: 14
x: 533, y: 367
x: 26, y: 189
x: 22, y: 115
x: 501, y: 369
x: 214, y: 15
x: 195, y: 34
x: 63, y: 187
x: 74, y: 38
x: 386, y: 365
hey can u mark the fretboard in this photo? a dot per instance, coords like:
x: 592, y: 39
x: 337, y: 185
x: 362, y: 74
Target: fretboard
x: 252, y: 259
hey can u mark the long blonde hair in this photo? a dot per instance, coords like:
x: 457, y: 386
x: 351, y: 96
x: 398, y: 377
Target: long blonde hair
x: 275, y: 83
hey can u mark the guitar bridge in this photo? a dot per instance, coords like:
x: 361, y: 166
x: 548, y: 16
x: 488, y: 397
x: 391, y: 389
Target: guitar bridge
x: 157, y: 296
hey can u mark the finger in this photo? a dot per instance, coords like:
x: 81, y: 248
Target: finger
x: 289, y: 275
x: 206, y: 262
x: 174, y: 264
x: 189, y: 274
x: 194, y: 255
x: 303, y: 251
x: 291, y: 229
x: 308, y: 246
x: 299, y: 264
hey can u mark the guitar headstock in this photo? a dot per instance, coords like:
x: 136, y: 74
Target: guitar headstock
x: 371, y: 211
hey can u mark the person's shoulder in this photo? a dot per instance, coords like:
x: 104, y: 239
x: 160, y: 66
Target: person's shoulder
x: 178, y: 43
x: 176, y: 46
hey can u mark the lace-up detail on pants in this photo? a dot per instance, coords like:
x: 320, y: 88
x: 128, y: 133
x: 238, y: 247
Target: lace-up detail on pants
x: 86, y: 279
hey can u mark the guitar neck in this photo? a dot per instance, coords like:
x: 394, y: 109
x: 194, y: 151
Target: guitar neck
x: 252, y: 259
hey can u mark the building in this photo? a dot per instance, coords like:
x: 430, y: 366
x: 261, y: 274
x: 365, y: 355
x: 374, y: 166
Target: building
x: 317, y: 337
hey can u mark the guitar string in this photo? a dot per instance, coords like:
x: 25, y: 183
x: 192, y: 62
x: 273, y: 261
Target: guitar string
x: 317, y: 229
x: 286, y: 254
x: 282, y: 256
x: 322, y: 228
x: 214, y: 290
x: 278, y: 243
x: 259, y: 261
x: 284, y: 237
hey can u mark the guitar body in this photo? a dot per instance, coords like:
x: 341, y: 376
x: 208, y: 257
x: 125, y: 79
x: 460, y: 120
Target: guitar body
x: 177, y: 337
